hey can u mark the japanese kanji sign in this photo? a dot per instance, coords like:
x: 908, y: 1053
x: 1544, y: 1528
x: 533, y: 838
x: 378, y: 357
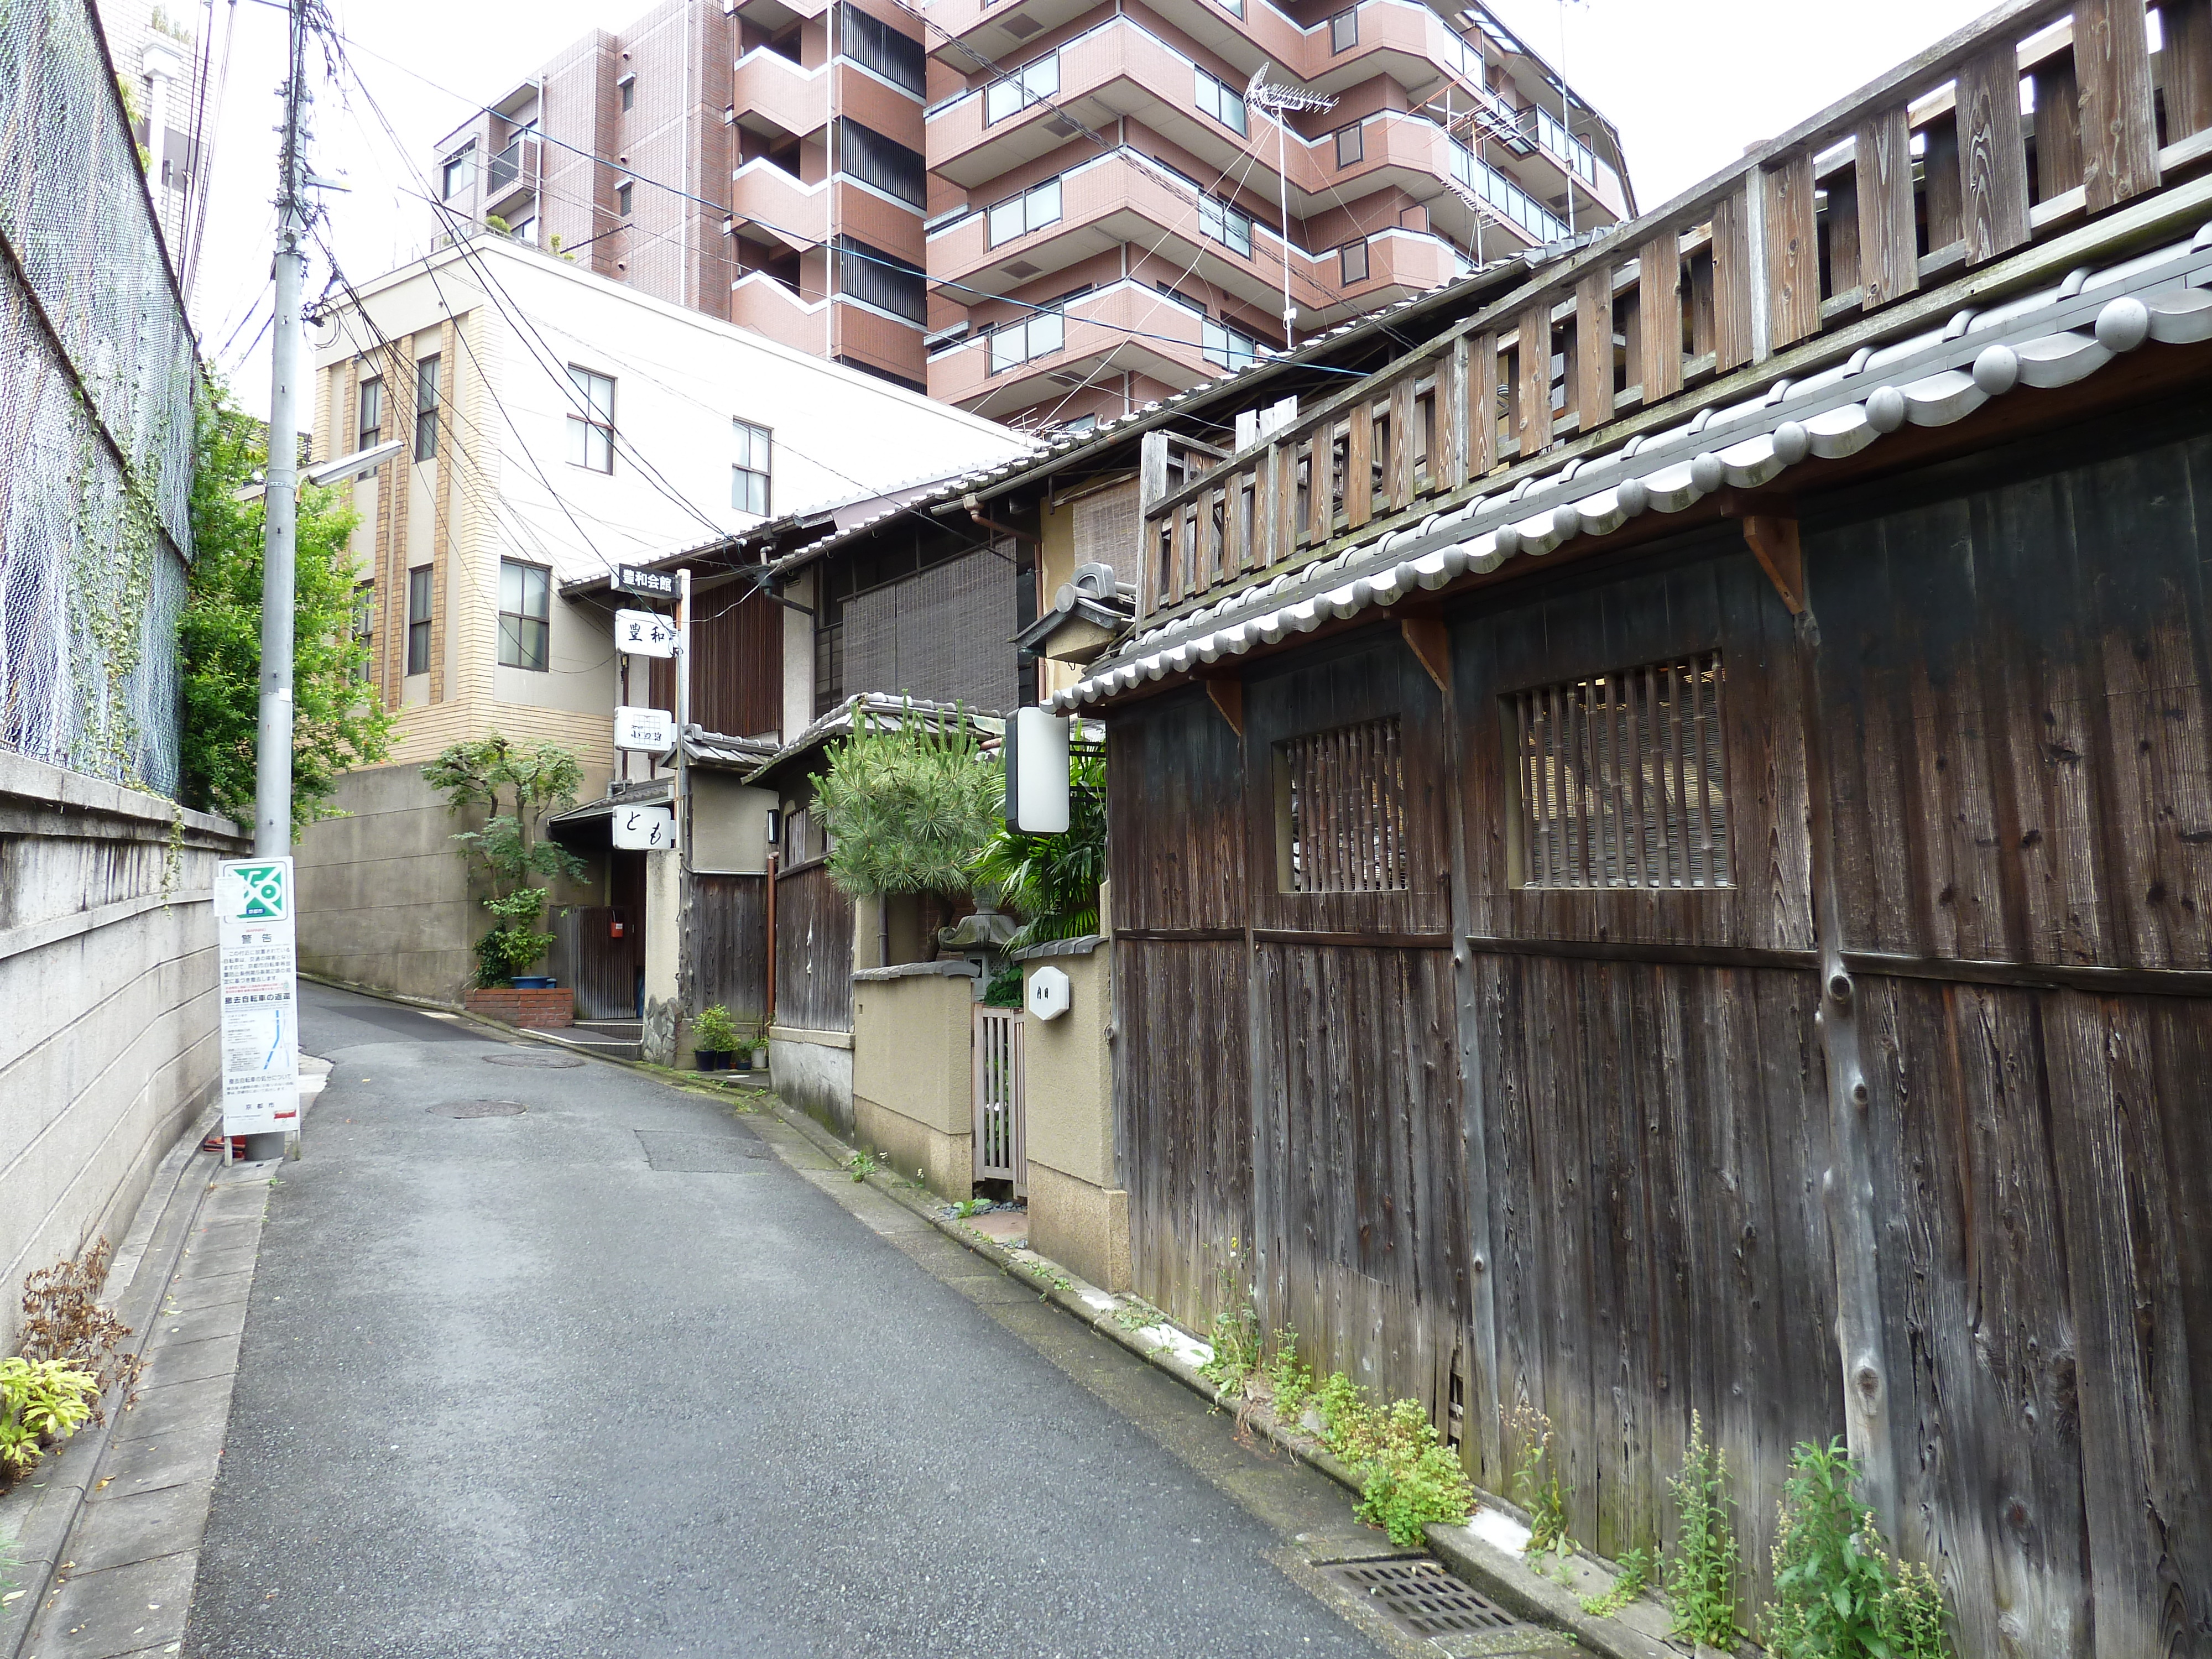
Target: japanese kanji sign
x: 258, y: 950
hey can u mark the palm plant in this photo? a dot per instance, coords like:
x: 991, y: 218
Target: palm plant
x: 1053, y: 881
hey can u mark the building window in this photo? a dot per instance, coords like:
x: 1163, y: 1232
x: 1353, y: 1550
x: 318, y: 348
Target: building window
x: 592, y: 423
x: 749, y: 476
x: 524, y: 601
x: 364, y: 628
x: 426, y: 408
x: 1344, y: 30
x: 418, y: 620
x: 460, y: 175
x: 1183, y: 299
x: 1353, y: 256
x: 1081, y: 426
x: 526, y: 231
x: 1234, y: 7
x: 1621, y: 778
x: 368, y: 422
x: 1230, y: 347
x: 1340, y: 810
x: 1021, y: 88
x: 1226, y: 225
x: 1350, y: 145
x: 1037, y: 336
x: 628, y: 87
x: 1032, y: 209
x: 1222, y: 104
x: 622, y: 194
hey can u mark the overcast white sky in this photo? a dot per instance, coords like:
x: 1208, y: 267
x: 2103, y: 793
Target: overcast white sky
x: 1689, y: 82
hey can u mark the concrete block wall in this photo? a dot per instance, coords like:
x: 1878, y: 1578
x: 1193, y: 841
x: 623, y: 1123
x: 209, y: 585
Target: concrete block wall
x: 384, y: 896
x: 108, y: 1044
x: 913, y: 1071
x: 1079, y: 1211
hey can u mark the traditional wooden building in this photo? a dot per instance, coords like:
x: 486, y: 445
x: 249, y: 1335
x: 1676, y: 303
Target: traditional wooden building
x: 1661, y: 845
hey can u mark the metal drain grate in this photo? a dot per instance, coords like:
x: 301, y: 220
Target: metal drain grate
x: 1418, y: 1596
x: 478, y: 1108
x: 535, y: 1060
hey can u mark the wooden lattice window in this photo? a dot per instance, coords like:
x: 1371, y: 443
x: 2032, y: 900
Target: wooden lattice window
x: 1340, y: 810
x: 1622, y: 779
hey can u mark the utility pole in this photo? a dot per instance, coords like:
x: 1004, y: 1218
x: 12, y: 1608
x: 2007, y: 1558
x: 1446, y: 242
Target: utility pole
x: 272, y: 788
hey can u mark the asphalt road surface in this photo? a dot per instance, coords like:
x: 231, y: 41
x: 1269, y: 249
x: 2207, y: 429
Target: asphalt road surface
x: 615, y: 1376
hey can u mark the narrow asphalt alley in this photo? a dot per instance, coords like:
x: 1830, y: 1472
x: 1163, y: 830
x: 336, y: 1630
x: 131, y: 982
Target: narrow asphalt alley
x: 611, y: 1376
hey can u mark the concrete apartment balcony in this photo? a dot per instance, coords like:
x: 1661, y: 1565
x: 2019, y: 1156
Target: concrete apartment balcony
x: 775, y: 16
x: 1126, y: 327
x: 511, y: 177
x: 796, y: 215
x: 777, y: 98
x: 1118, y: 199
x: 759, y: 301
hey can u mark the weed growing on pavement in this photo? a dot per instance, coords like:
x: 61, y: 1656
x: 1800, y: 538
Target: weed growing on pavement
x: 1702, y: 1579
x: 1236, y: 1334
x: 64, y: 1319
x: 1839, y: 1593
x: 1290, y: 1381
x: 1537, y: 1487
x: 965, y: 1207
x: 860, y: 1166
x: 1135, y: 1314
x: 1636, y: 1569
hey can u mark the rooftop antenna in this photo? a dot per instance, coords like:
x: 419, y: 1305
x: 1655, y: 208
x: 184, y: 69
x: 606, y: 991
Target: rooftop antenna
x: 1262, y: 93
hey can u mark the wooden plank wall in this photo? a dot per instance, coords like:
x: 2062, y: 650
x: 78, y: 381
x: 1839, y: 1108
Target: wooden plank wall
x: 813, y: 951
x: 2016, y: 680
x: 1655, y: 1129
x: 2013, y: 673
x: 1181, y: 1091
x: 729, y: 939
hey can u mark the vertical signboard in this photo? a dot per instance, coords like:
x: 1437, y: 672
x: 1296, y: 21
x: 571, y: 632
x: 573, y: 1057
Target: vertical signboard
x: 258, y: 951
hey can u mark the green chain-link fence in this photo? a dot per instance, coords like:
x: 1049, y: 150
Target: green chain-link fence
x: 97, y: 377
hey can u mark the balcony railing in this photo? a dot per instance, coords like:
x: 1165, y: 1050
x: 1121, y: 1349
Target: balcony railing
x: 511, y: 171
x: 1933, y: 172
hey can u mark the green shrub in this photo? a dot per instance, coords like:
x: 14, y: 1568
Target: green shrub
x: 1838, y: 1593
x: 1703, y: 1578
x: 714, y: 1030
x: 41, y: 1401
x: 1236, y: 1335
x: 1409, y: 1479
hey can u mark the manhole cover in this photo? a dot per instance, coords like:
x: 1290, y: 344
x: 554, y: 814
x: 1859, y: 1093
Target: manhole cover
x: 534, y: 1058
x: 1418, y: 1596
x: 479, y: 1108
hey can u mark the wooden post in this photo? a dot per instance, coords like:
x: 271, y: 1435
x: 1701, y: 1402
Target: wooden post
x: 1152, y: 485
x: 1847, y: 1188
x: 775, y: 858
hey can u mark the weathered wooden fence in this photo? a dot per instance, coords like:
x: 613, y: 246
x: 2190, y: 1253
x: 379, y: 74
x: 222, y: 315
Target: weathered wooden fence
x: 1499, y: 1132
x: 813, y: 951
x: 729, y: 944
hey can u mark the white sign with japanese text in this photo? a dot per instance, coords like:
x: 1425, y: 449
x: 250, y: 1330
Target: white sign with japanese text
x: 645, y: 829
x: 644, y: 634
x: 645, y: 730
x: 257, y: 949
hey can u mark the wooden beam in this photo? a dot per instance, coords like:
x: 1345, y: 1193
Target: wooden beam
x: 1431, y: 642
x: 2120, y: 128
x: 1774, y: 543
x: 1227, y: 696
x: 1659, y: 306
x: 1889, y: 261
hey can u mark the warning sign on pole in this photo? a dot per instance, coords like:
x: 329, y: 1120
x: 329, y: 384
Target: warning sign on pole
x: 254, y: 925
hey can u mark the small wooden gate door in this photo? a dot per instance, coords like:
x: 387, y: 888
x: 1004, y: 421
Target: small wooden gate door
x: 998, y: 1153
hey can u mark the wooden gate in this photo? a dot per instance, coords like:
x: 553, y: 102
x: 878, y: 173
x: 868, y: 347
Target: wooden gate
x: 600, y: 950
x: 999, y: 1115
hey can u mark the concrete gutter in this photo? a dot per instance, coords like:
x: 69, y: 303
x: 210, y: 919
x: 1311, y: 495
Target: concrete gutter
x: 1638, y: 1631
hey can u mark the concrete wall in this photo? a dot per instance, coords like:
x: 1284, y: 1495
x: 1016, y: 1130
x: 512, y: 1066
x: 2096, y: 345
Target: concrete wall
x: 108, y: 1043
x: 913, y: 1071
x: 384, y: 895
x: 1078, y: 1212
x: 814, y: 1073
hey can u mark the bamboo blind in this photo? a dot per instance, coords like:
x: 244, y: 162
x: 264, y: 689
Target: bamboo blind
x: 1341, y: 809
x: 1622, y: 781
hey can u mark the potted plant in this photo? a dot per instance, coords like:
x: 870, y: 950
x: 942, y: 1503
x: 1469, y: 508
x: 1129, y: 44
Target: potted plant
x: 714, y: 1039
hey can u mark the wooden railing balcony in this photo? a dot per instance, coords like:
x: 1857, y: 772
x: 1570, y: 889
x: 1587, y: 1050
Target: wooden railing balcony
x: 1932, y: 172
